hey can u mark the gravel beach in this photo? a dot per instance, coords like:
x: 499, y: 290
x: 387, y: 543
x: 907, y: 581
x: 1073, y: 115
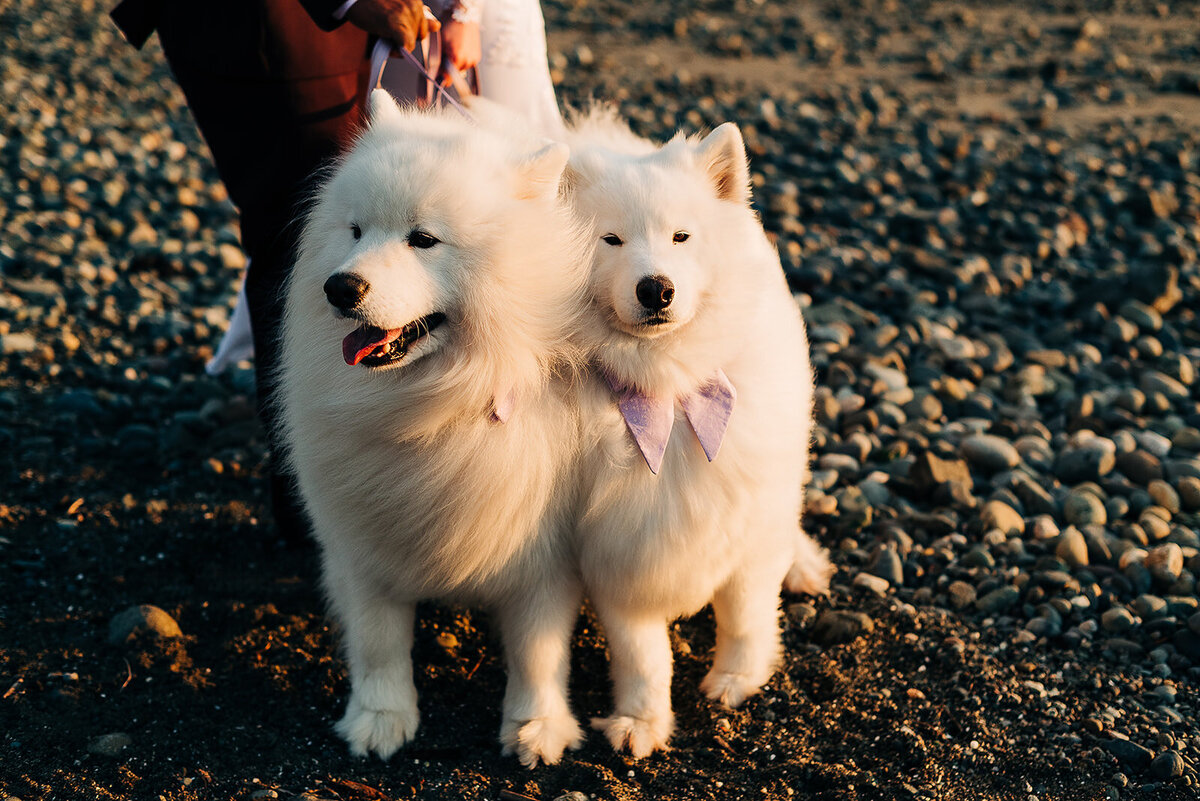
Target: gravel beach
x: 990, y: 214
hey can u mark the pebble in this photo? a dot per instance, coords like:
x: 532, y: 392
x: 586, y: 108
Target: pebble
x: 1189, y: 493
x: 888, y: 566
x: 870, y: 583
x: 836, y: 626
x: 998, y: 600
x: 800, y: 615
x: 1082, y: 508
x: 1072, y: 548
x: 1165, y: 562
x: 1132, y: 754
x: 110, y: 745
x: 143, y: 618
x: 990, y: 453
x: 1117, y: 620
x: 999, y: 515
x: 1084, y: 464
x: 1167, y: 765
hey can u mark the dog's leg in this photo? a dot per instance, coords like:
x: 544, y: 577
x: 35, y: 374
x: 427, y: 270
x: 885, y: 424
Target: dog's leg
x: 746, y: 609
x: 382, y: 713
x: 811, y: 571
x: 640, y: 652
x: 536, y: 630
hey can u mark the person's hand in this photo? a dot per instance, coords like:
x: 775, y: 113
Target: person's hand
x: 402, y: 22
x: 461, y: 48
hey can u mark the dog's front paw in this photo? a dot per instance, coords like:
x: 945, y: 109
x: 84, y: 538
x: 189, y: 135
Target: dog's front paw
x: 540, y: 739
x: 730, y: 688
x: 811, y: 572
x: 380, y: 731
x: 641, y: 737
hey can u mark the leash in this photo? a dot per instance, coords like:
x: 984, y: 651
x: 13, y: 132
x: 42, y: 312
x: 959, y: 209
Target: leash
x: 382, y: 53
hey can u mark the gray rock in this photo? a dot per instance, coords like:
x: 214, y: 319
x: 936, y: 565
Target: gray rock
x: 887, y: 565
x: 1167, y: 765
x: 1153, y: 381
x: 110, y: 745
x: 1129, y: 753
x: 1140, y: 467
x: 1117, y: 620
x: 1084, y: 464
x: 1082, y: 508
x: 144, y: 618
x: 573, y: 795
x: 801, y: 615
x: 837, y: 626
x: 961, y: 594
x: 998, y: 600
x: 990, y: 453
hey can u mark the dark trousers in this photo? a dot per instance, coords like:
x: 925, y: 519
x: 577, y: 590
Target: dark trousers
x: 269, y: 140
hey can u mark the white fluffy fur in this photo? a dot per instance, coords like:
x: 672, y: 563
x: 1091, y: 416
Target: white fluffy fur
x: 652, y: 548
x: 413, y: 490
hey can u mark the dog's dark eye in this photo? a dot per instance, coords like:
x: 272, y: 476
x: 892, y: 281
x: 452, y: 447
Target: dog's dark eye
x: 355, y: 230
x: 681, y: 236
x: 612, y: 239
x: 420, y: 239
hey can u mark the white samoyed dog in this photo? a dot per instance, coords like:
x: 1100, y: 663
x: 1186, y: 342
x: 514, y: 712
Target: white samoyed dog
x: 701, y: 407
x: 438, y: 278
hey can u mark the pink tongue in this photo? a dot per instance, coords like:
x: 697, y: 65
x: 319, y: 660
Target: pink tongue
x: 360, y: 342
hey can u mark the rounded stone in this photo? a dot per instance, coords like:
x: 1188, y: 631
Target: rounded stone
x: 990, y: 453
x: 1165, y: 562
x: 1165, y: 496
x: 1117, y: 620
x: 998, y: 514
x: 1082, y: 508
x: 142, y: 618
x: 1167, y: 765
x: 1072, y: 547
x: 1189, y: 493
x: 962, y: 594
x: 110, y: 745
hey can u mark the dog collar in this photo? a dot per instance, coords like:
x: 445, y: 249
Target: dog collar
x: 650, y: 419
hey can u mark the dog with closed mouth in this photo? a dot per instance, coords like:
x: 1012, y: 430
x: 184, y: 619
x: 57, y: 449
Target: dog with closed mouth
x: 699, y: 414
x: 426, y: 327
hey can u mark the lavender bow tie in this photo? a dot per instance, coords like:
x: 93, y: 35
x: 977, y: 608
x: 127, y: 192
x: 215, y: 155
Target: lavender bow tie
x: 650, y: 419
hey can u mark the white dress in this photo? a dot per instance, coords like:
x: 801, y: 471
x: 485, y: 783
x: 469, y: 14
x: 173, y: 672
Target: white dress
x: 512, y: 71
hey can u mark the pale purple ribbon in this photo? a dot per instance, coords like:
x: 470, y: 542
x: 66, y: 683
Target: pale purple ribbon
x: 650, y: 419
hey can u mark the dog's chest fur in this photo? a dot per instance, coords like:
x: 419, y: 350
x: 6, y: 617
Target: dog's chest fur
x: 465, y: 514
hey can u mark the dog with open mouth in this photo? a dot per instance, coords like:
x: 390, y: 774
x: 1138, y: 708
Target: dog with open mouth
x: 700, y: 413
x: 429, y: 423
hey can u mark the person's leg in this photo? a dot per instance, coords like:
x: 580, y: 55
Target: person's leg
x: 269, y: 139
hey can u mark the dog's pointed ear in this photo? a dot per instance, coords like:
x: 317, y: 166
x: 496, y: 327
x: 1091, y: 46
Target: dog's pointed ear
x: 538, y: 175
x: 723, y: 155
x: 383, y: 107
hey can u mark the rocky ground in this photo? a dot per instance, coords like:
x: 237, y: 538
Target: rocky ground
x: 991, y: 213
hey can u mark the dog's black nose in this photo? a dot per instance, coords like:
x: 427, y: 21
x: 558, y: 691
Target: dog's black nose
x: 655, y: 292
x: 346, y: 290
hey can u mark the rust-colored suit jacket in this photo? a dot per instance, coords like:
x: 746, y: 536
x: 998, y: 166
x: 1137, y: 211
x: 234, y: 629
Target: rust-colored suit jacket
x: 276, y: 87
